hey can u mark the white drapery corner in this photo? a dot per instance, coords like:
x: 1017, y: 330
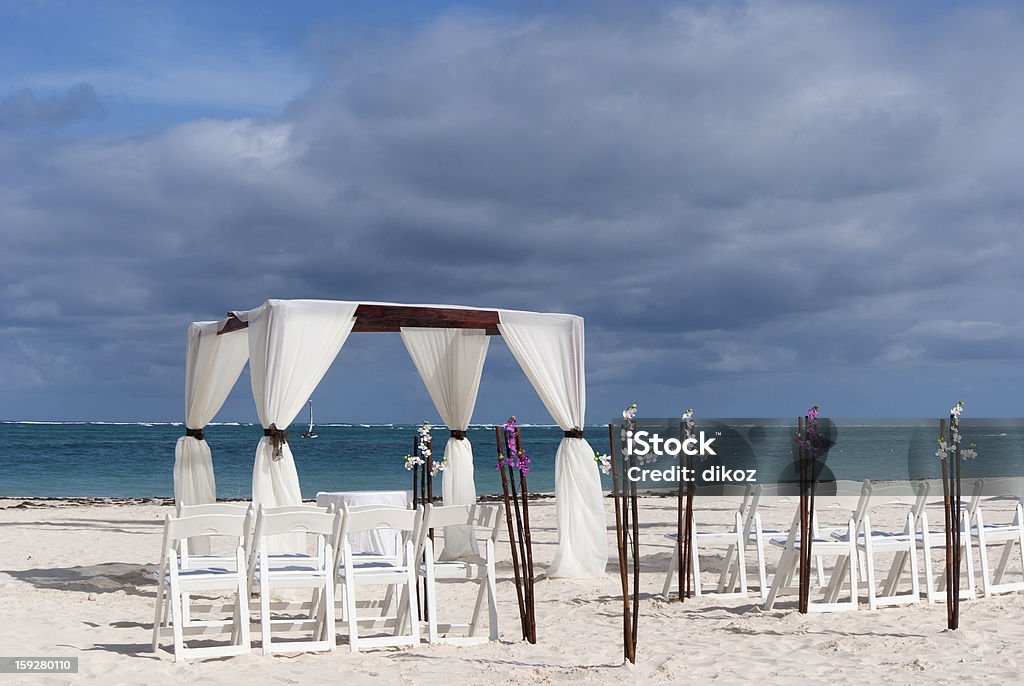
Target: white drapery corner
x: 549, y: 348
x: 451, y: 362
x: 292, y: 343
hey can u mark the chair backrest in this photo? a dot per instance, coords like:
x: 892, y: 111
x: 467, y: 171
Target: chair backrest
x: 404, y: 522
x: 313, y: 523
x: 178, y: 529
x: 281, y: 509
x: 365, y: 519
x: 213, y: 508
x: 845, y: 499
x: 732, y: 496
x: 307, y: 521
x: 485, y: 519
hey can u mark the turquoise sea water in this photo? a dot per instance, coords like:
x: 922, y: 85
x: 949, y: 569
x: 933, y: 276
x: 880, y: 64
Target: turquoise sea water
x: 135, y: 460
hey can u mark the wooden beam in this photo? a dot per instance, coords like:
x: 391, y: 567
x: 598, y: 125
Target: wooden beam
x: 233, y: 323
x: 377, y: 318
x: 391, y: 318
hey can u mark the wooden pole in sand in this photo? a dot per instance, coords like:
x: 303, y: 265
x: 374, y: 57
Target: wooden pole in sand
x: 526, y: 542
x: 502, y: 461
x: 621, y: 517
x: 957, y: 531
x: 687, y: 561
x: 680, y: 521
x: 804, y: 586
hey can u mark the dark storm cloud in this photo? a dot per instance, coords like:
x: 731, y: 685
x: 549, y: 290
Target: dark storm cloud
x: 722, y: 192
x: 25, y: 110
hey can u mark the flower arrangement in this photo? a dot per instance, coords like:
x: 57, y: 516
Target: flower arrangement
x: 810, y: 440
x: 519, y: 459
x: 604, y: 462
x: 954, y: 447
x: 628, y: 429
x: 424, y: 451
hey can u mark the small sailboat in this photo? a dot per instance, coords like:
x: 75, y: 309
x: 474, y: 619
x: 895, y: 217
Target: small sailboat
x: 310, y: 433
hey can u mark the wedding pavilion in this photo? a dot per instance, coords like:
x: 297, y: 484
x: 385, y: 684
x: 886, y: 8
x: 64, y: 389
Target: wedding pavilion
x: 290, y: 345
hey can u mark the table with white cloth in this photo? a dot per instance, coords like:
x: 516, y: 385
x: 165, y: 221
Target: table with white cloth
x: 377, y: 540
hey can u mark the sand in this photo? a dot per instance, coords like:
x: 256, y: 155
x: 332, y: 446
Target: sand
x: 75, y: 580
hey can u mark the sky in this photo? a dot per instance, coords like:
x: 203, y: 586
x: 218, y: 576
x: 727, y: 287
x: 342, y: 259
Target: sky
x: 757, y: 207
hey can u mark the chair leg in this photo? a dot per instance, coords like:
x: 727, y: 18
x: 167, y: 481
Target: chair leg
x: 242, y: 611
x: 265, y: 617
x: 176, y: 619
x: 673, y: 565
x: 158, y: 614
x: 892, y: 580
x: 412, y: 596
x: 431, y: 604
x: 929, y: 573
x: 915, y: 581
x: 741, y: 558
x: 492, y: 602
x: 349, y: 592
x: 965, y: 536
x: 477, y: 606
x: 727, y: 579
x: 854, y: 596
x: 762, y: 572
x: 695, y: 567
x: 869, y: 555
x: 784, y: 570
x: 328, y: 632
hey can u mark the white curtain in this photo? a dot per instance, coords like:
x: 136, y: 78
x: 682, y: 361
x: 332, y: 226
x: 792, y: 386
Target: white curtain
x: 450, y: 362
x: 549, y: 348
x: 292, y: 343
x: 212, y: 366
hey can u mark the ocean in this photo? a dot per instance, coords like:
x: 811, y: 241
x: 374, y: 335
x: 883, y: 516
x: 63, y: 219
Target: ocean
x: 94, y: 459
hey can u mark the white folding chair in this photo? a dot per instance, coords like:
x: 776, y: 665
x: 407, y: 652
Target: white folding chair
x: 734, y: 539
x: 176, y: 583
x: 1006, y: 535
x: 932, y: 540
x: 354, y: 572
x: 485, y: 519
x: 823, y: 545
x: 902, y: 544
x: 274, y: 571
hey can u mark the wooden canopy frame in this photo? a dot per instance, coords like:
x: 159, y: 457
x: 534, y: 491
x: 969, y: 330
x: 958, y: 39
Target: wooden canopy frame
x: 391, y: 318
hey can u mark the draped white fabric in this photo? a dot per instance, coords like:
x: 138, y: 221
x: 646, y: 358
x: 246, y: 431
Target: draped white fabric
x: 212, y: 366
x: 292, y: 343
x: 450, y: 362
x: 549, y: 348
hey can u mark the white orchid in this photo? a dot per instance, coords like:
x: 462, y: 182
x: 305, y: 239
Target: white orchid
x: 604, y: 462
x: 630, y: 412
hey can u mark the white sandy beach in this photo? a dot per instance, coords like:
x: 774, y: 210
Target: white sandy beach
x: 75, y: 579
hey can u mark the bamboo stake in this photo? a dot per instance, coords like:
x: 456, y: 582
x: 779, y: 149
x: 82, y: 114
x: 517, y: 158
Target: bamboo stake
x: 804, y: 590
x: 952, y: 587
x: 681, y: 583
x: 636, y: 561
x: 511, y: 530
x: 691, y: 488
x: 620, y: 542
x: 528, y: 542
x: 957, y: 533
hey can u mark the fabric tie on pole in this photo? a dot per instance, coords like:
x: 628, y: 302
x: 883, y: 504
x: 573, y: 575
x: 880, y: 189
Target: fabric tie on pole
x: 458, y: 435
x: 196, y: 434
x: 575, y: 432
x: 278, y: 438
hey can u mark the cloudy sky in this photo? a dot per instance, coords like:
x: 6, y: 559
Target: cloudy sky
x: 757, y: 207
